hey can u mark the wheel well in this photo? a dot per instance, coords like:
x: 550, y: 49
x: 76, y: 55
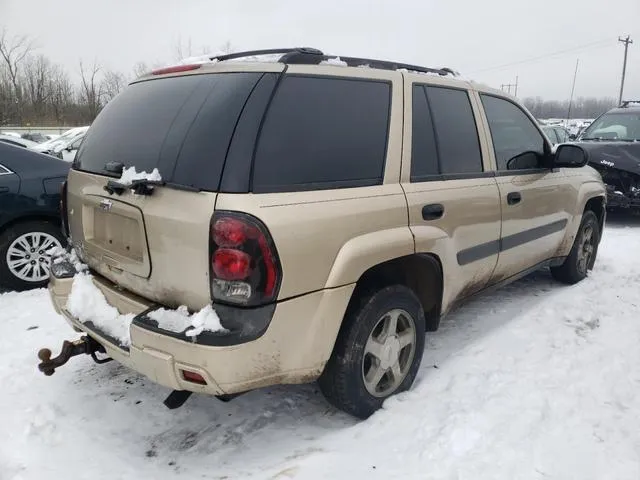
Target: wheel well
x: 422, y: 273
x: 596, y: 205
x: 30, y: 218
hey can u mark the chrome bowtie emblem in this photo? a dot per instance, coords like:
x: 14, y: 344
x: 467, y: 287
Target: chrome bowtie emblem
x: 106, y: 205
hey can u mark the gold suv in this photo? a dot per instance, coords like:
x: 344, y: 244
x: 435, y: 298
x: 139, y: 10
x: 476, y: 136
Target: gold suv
x: 286, y: 216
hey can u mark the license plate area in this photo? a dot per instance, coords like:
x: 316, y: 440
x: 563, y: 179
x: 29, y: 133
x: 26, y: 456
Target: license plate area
x: 114, y: 234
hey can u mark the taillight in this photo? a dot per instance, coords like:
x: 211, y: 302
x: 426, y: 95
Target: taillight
x: 63, y: 209
x: 176, y: 69
x: 244, y: 264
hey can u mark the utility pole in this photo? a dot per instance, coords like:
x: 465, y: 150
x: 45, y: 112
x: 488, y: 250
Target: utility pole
x: 626, y: 42
x: 509, y: 85
x: 573, y: 86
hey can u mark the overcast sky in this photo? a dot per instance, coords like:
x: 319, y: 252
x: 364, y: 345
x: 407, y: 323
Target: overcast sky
x: 473, y: 37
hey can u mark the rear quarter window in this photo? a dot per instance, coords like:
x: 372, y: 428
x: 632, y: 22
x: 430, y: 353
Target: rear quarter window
x: 323, y: 133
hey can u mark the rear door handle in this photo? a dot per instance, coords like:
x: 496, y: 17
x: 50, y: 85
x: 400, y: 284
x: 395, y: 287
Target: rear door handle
x: 432, y: 211
x: 513, y: 198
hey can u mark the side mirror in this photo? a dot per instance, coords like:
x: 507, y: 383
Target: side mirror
x: 570, y: 156
x: 524, y: 161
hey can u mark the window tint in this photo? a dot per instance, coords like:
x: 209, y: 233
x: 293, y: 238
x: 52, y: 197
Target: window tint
x: 323, y: 133
x: 456, y: 133
x: 512, y: 131
x: 180, y: 125
x: 424, y: 154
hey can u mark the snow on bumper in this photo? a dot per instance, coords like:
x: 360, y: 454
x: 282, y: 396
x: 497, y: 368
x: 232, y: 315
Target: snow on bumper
x: 293, y: 349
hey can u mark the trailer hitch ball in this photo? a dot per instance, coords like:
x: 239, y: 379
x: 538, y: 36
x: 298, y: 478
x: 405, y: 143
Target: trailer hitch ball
x: 84, y: 345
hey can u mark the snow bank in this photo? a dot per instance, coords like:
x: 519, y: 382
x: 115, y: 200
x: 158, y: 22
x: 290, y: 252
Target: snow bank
x: 334, y: 61
x: 179, y: 320
x: 88, y: 304
x: 129, y: 175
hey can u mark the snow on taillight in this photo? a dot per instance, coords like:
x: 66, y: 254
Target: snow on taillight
x: 244, y: 264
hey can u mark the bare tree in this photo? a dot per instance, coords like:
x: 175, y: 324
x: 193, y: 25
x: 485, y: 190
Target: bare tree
x: 181, y: 51
x: 91, y: 89
x: 13, y: 52
x: 61, y: 94
x: 37, y: 80
x: 113, y: 83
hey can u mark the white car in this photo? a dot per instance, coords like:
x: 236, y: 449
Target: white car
x: 65, y: 146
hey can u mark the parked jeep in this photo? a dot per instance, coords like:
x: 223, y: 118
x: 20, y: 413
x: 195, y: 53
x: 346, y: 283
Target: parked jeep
x: 239, y: 224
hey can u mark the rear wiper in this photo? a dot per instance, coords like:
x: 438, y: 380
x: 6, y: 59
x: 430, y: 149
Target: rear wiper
x: 144, y: 186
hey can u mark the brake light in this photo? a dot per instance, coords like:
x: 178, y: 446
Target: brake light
x: 244, y: 263
x: 64, y: 216
x: 176, y: 69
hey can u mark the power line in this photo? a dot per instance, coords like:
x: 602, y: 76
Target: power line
x: 626, y: 42
x: 598, y: 44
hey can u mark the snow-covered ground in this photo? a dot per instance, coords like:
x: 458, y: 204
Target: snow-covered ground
x: 535, y: 381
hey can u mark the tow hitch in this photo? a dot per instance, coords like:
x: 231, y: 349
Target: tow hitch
x: 84, y: 345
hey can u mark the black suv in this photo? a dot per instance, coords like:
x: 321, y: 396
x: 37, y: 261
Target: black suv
x: 613, y: 140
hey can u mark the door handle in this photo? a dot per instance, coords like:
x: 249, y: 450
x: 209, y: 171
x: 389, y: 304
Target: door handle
x: 513, y: 198
x: 432, y: 211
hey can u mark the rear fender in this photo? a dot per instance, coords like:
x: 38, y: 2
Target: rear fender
x: 365, y: 251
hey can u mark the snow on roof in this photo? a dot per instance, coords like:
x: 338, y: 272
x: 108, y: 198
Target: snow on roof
x: 334, y: 61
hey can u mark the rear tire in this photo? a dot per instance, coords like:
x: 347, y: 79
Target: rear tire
x: 377, y: 353
x: 583, y: 253
x: 23, y: 244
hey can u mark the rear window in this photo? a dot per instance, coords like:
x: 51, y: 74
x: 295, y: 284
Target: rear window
x: 180, y: 125
x: 323, y: 133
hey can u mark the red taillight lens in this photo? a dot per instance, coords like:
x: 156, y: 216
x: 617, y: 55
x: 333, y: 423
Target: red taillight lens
x: 245, y: 268
x: 229, y: 232
x: 176, y: 69
x: 229, y: 264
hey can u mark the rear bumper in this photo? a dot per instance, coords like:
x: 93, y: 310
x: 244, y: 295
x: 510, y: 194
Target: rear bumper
x: 293, y: 349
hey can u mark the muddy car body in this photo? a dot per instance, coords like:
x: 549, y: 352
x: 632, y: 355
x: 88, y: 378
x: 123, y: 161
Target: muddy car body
x: 330, y: 210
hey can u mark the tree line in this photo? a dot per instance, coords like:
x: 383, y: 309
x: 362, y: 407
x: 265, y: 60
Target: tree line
x: 36, y: 91
x: 581, y: 107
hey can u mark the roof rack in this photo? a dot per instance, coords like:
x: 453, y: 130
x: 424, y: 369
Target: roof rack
x: 626, y: 103
x: 313, y: 56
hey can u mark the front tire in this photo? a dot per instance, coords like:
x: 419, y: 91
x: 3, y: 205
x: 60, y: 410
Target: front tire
x: 377, y: 353
x: 24, y: 263
x: 583, y: 253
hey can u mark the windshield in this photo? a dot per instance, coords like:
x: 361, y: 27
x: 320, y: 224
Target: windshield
x: 615, y: 126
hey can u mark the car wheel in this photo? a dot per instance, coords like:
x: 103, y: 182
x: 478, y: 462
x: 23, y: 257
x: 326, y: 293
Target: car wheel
x: 24, y: 263
x: 583, y: 253
x: 377, y: 353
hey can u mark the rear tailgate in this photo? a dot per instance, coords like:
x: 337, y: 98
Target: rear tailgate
x: 156, y: 245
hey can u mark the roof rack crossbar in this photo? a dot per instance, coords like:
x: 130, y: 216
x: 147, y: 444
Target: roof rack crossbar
x: 313, y: 56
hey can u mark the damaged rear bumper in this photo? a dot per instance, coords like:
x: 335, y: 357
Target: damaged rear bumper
x: 293, y: 346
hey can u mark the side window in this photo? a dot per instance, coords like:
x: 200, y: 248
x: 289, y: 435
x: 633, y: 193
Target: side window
x: 424, y: 154
x: 321, y: 133
x: 562, y: 136
x: 551, y: 133
x: 456, y: 131
x: 513, y: 133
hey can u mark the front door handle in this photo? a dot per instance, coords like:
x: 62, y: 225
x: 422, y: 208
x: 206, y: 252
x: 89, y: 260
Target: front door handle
x: 432, y: 211
x: 513, y: 198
